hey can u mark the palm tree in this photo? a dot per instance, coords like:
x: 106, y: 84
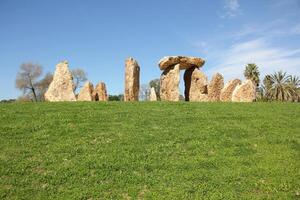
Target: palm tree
x: 267, y: 86
x: 251, y: 72
x: 280, y: 89
x: 294, y: 83
x: 261, y: 94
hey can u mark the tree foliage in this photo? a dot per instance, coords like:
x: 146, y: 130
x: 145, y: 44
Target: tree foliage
x: 27, y: 78
x: 281, y: 87
x: 43, y: 85
x: 251, y: 72
x: 144, y: 92
x: 294, y: 87
x: 79, y: 77
x: 155, y: 83
x: 119, y: 97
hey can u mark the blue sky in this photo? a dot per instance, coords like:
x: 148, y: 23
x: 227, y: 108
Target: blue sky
x: 99, y: 35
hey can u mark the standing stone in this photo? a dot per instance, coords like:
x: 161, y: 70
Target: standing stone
x: 246, y: 92
x: 86, y: 92
x: 132, y: 80
x: 214, y: 87
x: 195, y: 85
x: 153, y: 96
x: 226, y: 92
x: 61, y: 87
x: 169, y: 84
x: 100, y: 92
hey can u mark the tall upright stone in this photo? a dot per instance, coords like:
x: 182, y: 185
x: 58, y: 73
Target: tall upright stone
x: 153, y: 96
x: 246, y: 92
x: 214, y: 87
x: 226, y: 92
x: 86, y: 92
x: 195, y: 85
x: 61, y: 87
x: 169, y: 83
x: 132, y: 80
x: 100, y: 92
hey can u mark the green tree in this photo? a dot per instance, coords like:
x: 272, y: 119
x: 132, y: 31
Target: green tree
x: 267, y: 86
x: 119, y: 97
x: 294, y: 86
x: 280, y: 86
x: 251, y: 72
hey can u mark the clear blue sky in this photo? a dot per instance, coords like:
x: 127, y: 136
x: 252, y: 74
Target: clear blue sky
x: 99, y: 35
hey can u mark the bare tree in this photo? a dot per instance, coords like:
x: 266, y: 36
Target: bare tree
x: 155, y: 83
x: 144, y: 92
x: 43, y: 85
x: 79, y: 77
x: 27, y: 76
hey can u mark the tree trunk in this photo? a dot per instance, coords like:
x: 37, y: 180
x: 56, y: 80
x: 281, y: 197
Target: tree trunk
x: 32, y: 89
x: 34, y: 94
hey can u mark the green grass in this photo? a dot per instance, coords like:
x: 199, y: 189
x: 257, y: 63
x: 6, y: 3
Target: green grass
x: 150, y: 151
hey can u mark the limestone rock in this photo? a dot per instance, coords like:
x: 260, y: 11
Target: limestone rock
x: 183, y: 61
x: 100, y: 92
x: 61, y: 88
x: 226, y: 92
x: 153, y: 96
x: 245, y: 92
x: 195, y: 85
x: 169, y: 82
x: 132, y: 80
x: 86, y: 92
x: 214, y: 87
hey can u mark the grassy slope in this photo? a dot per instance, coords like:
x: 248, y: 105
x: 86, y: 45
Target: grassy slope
x: 149, y: 151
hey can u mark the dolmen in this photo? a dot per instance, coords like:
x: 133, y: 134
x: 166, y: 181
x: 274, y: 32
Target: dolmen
x: 170, y: 77
x: 195, y: 80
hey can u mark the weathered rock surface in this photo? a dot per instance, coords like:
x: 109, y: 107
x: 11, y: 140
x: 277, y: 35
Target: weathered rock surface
x: 183, y: 61
x: 226, y: 92
x: 195, y: 85
x: 86, y: 92
x: 132, y: 80
x: 214, y: 87
x: 100, y: 92
x: 61, y: 88
x: 245, y: 92
x: 153, y: 96
x: 169, y: 84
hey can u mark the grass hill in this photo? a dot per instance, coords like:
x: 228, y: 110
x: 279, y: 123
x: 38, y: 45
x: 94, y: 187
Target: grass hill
x: 151, y: 150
